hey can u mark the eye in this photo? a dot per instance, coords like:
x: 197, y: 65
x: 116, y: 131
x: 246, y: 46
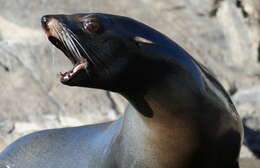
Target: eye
x: 91, y: 26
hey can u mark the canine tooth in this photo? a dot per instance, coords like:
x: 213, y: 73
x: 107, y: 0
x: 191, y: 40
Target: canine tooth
x: 66, y: 77
x: 75, y: 69
x: 78, y: 67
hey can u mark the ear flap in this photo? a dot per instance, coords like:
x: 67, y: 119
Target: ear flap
x: 142, y: 40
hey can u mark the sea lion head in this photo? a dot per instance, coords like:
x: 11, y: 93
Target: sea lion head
x: 101, y: 48
x: 109, y: 52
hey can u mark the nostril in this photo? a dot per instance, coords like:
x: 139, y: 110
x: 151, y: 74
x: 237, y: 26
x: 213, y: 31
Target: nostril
x: 44, y: 21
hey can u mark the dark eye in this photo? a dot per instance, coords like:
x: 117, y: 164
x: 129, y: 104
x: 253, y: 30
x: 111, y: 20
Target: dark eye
x: 91, y: 26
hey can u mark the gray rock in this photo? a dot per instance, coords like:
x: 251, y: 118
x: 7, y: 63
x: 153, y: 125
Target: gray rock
x: 249, y: 163
x: 222, y: 34
x: 246, y: 153
x: 247, y: 101
x: 6, y: 127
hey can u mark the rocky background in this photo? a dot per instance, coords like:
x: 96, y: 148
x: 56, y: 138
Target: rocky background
x: 222, y: 34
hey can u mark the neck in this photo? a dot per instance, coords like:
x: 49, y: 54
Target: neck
x: 171, y: 99
x: 161, y: 114
x: 161, y: 84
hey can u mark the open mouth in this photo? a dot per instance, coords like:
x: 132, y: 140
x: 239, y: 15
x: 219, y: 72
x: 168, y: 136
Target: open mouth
x: 79, y: 63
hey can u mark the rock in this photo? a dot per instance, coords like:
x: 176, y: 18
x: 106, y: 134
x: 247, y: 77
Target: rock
x: 222, y: 34
x: 249, y: 163
x: 252, y: 139
x: 247, y: 101
x: 6, y: 127
x: 246, y: 152
x: 2, y: 143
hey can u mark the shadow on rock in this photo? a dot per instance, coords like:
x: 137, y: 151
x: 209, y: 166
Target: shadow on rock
x: 252, y: 140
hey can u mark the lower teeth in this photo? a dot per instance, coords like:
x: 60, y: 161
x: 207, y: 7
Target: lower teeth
x: 66, y: 77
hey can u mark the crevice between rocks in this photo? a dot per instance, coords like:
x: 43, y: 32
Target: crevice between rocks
x: 217, y: 3
x: 258, y: 52
x: 251, y: 139
x: 233, y: 89
x: 113, y: 103
x: 216, y: 6
x: 239, y: 4
x: 5, y: 67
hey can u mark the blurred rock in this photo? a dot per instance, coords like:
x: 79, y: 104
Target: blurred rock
x: 246, y: 153
x: 252, y: 140
x: 6, y: 127
x: 247, y: 101
x: 249, y: 163
x: 222, y: 34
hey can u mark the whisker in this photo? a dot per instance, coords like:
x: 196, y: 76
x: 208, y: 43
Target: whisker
x: 60, y: 37
x: 74, y: 37
x: 53, y: 58
x: 64, y: 40
x: 93, y: 52
x: 67, y: 41
x: 83, y: 49
x: 71, y: 44
x: 75, y: 48
x: 72, y: 47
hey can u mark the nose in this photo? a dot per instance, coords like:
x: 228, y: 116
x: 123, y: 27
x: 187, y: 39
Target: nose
x: 45, y: 20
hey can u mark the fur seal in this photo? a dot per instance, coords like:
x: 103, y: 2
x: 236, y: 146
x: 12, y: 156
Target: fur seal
x: 180, y: 116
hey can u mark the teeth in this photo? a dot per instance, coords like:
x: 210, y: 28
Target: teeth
x: 66, y: 77
x: 78, y: 67
x: 61, y: 74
